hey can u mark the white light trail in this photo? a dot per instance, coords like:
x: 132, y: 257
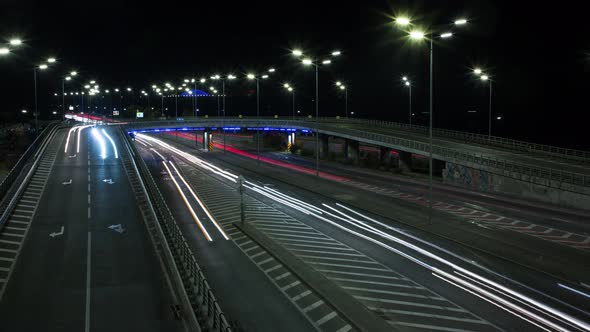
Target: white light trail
x: 78, y: 140
x: 200, y: 203
x: 188, y: 205
x: 101, y: 142
x: 68, y: 139
x: 112, y: 143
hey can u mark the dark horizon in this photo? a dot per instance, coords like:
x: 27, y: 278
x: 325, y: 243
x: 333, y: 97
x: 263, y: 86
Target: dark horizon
x: 540, y: 73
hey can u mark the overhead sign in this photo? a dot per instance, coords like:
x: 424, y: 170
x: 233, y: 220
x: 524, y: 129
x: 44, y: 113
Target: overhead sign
x: 140, y: 114
x: 115, y: 112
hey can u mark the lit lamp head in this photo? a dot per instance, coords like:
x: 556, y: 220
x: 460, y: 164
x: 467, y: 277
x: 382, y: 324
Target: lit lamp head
x: 297, y: 52
x: 402, y: 21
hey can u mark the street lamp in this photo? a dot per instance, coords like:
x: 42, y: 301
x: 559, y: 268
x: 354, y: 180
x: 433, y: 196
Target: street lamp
x: 4, y: 50
x: 289, y: 88
x: 408, y: 83
x: 345, y: 89
x: 41, y: 67
x: 229, y: 77
x: 442, y: 32
x: 310, y: 62
x: 251, y: 76
x: 486, y: 78
x: 15, y: 42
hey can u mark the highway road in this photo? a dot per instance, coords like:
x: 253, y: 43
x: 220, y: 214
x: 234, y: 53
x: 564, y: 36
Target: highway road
x: 415, y: 279
x: 87, y: 263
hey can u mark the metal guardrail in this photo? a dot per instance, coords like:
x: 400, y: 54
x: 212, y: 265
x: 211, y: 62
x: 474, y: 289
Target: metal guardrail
x: 511, y: 169
x: 536, y: 173
x: 196, y: 285
x: 25, y: 172
x: 16, y: 173
x: 512, y: 144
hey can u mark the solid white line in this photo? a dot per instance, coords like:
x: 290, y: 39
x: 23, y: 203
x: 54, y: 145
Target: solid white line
x: 88, y: 265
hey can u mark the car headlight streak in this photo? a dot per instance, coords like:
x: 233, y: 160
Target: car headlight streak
x: 101, y: 143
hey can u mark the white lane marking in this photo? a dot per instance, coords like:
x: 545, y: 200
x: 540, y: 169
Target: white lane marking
x: 88, y: 269
x: 328, y: 252
x: 88, y: 198
x: 340, y: 259
x: 89, y: 213
x: 265, y: 261
x: 284, y: 275
x: 370, y: 290
x: 350, y: 266
x: 272, y: 268
x: 326, y: 318
x: 415, y: 313
x: 574, y: 290
x: 313, y: 306
x: 429, y: 327
x: 371, y: 282
x: 345, y: 328
x: 258, y: 254
x: 300, y: 296
x: 291, y: 285
x: 413, y: 304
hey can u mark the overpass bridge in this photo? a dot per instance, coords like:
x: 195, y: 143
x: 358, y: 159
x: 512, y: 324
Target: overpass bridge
x: 547, y: 173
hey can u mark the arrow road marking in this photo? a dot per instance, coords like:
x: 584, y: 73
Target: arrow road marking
x: 109, y: 181
x: 117, y: 228
x: 54, y: 234
x: 67, y: 182
x: 74, y: 156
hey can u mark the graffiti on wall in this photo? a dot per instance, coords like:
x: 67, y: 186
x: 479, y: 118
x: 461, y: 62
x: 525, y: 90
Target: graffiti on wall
x: 468, y: 177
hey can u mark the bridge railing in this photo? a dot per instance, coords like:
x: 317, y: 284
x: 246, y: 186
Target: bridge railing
x: 194, y: 280
x: 555, y: 177
x: 16, y: 171
x: 517, y: 145
x: 536, y: 174
x: 24, y: 172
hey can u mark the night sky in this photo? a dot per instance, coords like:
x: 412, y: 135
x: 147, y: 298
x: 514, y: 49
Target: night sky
x: 537, y: 54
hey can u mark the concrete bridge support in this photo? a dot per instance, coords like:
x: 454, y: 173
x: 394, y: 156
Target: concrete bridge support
x: 385, y: 159
x: 324, y: 146
x: 405, y: 161
x: 352, y: 151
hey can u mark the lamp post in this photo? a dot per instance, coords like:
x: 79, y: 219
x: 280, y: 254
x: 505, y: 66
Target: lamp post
x: 63, y: 87
x: 257, y: 78
x: 419, y: 35
x: 292, y: 90
x: 408, y: 83
x: 310, y: 62
x: 345, y: 89
x: 487, y: 78
x: 217, y: 77
x: 41, y: 67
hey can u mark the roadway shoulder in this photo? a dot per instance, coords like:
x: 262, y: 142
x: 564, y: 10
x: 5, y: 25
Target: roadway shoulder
x: 357, y: 314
